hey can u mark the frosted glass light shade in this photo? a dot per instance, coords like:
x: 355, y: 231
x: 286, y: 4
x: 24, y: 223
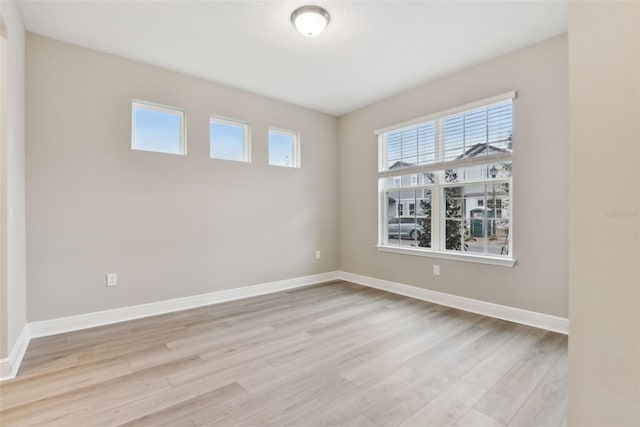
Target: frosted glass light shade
x: 310, y: 20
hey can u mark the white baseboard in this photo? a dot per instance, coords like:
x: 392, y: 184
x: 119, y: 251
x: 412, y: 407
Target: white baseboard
x: 525, y: 317
x: 101, y: 318
x: 5, y: 369
x: 9, y: 366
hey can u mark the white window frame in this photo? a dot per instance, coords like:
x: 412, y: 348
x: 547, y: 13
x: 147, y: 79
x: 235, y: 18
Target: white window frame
x: 152, y: 106
x: 246, y: 143
x: 295, y: 150
x: 437, y: 188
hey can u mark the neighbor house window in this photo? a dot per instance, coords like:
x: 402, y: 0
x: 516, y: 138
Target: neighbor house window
x: 157, y: 128
x: 284, y: 148
x: 229, y: 140
x: 461, y: 205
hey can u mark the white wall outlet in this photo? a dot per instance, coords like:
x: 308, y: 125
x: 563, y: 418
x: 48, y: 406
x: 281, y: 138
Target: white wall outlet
x: 436, y: 270
x: 112, y: 279
x: 317, y: 254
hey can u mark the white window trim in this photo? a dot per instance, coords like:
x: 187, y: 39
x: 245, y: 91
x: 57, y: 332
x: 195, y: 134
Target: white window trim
x: 437, y: 189
x: 437, y: 231
x: 455, y: 256
x: 152, y: 106
x: 453, y: 164
x: 482, y: 103
x: 296, y: 158
x: 246, y: 143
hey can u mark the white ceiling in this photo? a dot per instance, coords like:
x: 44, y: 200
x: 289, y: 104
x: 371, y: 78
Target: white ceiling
x: 370, y: 50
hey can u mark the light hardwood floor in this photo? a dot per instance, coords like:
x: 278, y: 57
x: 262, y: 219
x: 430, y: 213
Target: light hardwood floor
x: 328, y: 355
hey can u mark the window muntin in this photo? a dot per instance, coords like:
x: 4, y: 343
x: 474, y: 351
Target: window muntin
x: 455, y: 179
x: 157, y: 128
x: 284, y: 148
x: 229, y: 140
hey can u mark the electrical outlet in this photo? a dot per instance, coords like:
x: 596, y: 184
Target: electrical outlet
x: 317, y: 254
x: 112, y: 279
x: 436, y: 270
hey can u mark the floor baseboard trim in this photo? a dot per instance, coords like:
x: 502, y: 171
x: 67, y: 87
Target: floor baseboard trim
x: 107, y: 317
x: 5, y: 369
x: 525, y: 317
x: 9, y: 366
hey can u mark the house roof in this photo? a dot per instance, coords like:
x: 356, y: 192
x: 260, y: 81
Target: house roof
x: 400, y: 164
x: 483, y: 148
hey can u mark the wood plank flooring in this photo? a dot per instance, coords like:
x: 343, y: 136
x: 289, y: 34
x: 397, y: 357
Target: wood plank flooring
x: 336, y: 354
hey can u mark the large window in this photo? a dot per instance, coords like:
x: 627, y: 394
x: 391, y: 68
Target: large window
x: 157, y: 128
x: 229, y: 140
x: 445, y: 183
x: 284, y: 148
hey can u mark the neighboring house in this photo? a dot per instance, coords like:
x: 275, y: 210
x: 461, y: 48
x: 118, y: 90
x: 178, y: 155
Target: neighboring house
x: 405, y: 204
x: 477, y: 202
x: 475, y: 195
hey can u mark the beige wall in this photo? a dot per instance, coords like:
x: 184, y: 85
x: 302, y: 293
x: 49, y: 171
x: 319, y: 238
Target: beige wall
x: 604, y: 345
x: 539, y: 281
x: 3, y: 189
x: 14, y: 303
x: 170, y: 226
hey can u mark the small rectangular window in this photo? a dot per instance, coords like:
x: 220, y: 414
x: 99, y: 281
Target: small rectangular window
x: 284, y: 148
x: 157, y: 128
x: 229, y: 140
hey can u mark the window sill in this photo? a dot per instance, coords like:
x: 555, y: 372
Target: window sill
x: 481, y: 259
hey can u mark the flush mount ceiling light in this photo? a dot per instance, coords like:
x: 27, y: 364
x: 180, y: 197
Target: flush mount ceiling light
x: 310, y: 20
